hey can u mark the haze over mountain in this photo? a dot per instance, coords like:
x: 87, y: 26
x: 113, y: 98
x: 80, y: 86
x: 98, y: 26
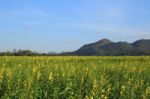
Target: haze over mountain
x: 107, y: 47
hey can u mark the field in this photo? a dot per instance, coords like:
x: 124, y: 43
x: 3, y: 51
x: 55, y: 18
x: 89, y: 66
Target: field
x: 72, y: 77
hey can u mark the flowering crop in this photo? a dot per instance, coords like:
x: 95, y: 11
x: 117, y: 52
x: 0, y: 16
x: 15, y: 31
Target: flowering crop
x: 75, y: 77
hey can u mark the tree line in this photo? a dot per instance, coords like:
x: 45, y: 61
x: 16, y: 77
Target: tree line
x: 21, y: 52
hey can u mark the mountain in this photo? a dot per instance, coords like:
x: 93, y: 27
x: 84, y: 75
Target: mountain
x: 93, y: 48
x: 141, y: 47
x: 107, y: 47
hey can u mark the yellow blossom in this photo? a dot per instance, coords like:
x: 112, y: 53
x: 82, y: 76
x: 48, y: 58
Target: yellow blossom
x: 50, y: 77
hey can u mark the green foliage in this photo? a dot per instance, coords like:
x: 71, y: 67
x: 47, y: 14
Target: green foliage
x: 72, y: 77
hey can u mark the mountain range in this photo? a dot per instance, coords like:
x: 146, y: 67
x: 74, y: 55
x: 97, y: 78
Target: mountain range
x: 106, y: 47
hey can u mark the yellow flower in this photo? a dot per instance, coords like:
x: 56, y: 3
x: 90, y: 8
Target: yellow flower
x: 102, y: 96
x: 86, y: 97
x: 121, y: 93
x: 87, y: 71
x: 50, y: 77
x: 103, y: 90
x: 109, y: 89
x: 38, y: 75
x: 94, y: 85
x: 123, y: 88
x: 129, y: 81
x: 105, y: 97
x: 91, y: 97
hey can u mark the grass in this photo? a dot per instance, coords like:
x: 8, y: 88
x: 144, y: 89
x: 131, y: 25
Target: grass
x: 72, y: 77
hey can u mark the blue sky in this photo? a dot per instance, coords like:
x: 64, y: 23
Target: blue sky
x: 66, y: 25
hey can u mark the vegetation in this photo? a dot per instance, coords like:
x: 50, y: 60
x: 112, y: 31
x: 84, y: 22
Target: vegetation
x: 71, y: 77
x: 26, y: 53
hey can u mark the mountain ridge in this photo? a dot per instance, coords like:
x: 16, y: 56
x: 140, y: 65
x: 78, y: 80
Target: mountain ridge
x: 106, y: 47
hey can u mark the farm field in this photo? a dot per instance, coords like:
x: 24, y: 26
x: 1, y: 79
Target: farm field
x: 75, y: 77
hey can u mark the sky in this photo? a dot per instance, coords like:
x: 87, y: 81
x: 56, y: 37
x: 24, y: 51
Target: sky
x: 66, y: 25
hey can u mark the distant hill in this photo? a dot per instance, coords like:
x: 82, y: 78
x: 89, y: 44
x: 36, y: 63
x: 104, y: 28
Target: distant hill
x: 106, y: 47
x: 103, y: 47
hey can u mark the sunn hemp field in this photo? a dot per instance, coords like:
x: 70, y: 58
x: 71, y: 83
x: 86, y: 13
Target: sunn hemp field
x: 73, y: 77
